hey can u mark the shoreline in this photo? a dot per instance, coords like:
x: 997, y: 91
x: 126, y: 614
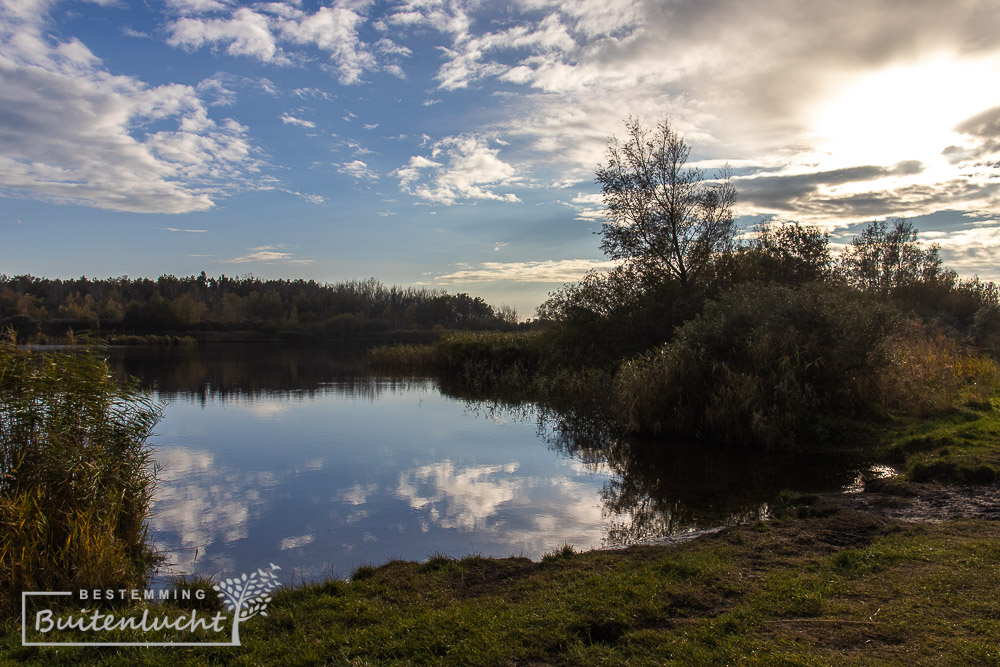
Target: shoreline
x: 831, y: 578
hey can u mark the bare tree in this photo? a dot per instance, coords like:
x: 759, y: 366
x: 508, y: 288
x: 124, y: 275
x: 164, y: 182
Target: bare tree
x: 664, y: 215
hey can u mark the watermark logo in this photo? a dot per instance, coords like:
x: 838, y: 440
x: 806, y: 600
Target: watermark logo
x: 248, y: 596
x: 245, y: 596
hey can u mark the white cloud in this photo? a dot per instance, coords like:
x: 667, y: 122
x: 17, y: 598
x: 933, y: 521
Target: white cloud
x: 311, y: 198
x: 594, y: 18
x: 548, y: 271
x: 288, y: 119
x: 466, y: 64
x: 247, y: 33
x: 385, y: 45
x: 971, y: 251
x: 137, y: 34
x: 197, y: 6
x: 217, y: 86
x: 463, y: 168
x: 334, y: 29
x: 267, y: 253
x: 189, y: 231
x: 588, y: 206
x: 264, y: 31
x: 72, y: 132
x: 313, y: 93
x: 259, y: 256
x: 267, y: 86
x: 358, y: 170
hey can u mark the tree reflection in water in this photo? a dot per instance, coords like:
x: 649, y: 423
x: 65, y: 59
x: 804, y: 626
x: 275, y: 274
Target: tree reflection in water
x: 660, y: 486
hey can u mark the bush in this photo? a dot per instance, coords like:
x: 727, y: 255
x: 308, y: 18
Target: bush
x: 606, y: 317
x: 776, y: 365
x: 764, y: 364
x: 75, y: 474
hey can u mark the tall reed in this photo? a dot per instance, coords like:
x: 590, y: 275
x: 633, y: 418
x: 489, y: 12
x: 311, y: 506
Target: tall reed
x: 76, y: 474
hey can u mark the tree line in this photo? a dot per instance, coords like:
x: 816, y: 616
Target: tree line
x: 169, y: 304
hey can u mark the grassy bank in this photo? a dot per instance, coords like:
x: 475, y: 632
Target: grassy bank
x: 957, y: 446
x: 835, y: 586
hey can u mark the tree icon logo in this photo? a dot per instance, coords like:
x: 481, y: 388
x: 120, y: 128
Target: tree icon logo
x: 248, y: 596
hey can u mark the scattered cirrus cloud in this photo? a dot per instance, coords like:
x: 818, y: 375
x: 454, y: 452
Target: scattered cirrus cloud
x: 314, y: 93
x: 830, y: 113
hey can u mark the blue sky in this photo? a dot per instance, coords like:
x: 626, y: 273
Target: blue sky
x: 452, y: 143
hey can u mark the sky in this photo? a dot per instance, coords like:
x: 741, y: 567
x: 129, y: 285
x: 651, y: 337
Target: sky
x: 452, y: 144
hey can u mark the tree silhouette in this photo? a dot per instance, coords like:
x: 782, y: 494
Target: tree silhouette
x: 887, y: 255
x: 248, y: 596
x: 665, y: 217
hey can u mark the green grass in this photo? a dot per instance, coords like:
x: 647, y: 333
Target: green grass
x: 960, y: 446
x: 844, y: 589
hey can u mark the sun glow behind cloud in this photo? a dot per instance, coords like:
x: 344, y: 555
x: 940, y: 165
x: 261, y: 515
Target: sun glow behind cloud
x: 904, y: 112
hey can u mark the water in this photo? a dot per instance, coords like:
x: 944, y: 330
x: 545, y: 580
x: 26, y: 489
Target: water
x: 308, y: 459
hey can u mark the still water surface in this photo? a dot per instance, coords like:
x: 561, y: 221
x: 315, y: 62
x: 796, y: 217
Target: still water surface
x: 310, y: 460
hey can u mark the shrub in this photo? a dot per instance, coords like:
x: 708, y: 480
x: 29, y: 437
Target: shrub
x: 776, y: 365
x: 75, y: 474
x: 763, y: 364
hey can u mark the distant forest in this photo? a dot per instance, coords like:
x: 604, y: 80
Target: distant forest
x: 217, y: 308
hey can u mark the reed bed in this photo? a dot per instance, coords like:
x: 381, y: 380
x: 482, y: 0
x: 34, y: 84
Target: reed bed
x: 76, y: 474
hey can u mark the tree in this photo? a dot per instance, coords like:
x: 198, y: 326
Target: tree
x: 787, y: 253
x: 665, y: 217
x: 886, y: 255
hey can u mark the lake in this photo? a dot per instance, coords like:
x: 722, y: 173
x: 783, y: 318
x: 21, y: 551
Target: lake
x: 311, y: 460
